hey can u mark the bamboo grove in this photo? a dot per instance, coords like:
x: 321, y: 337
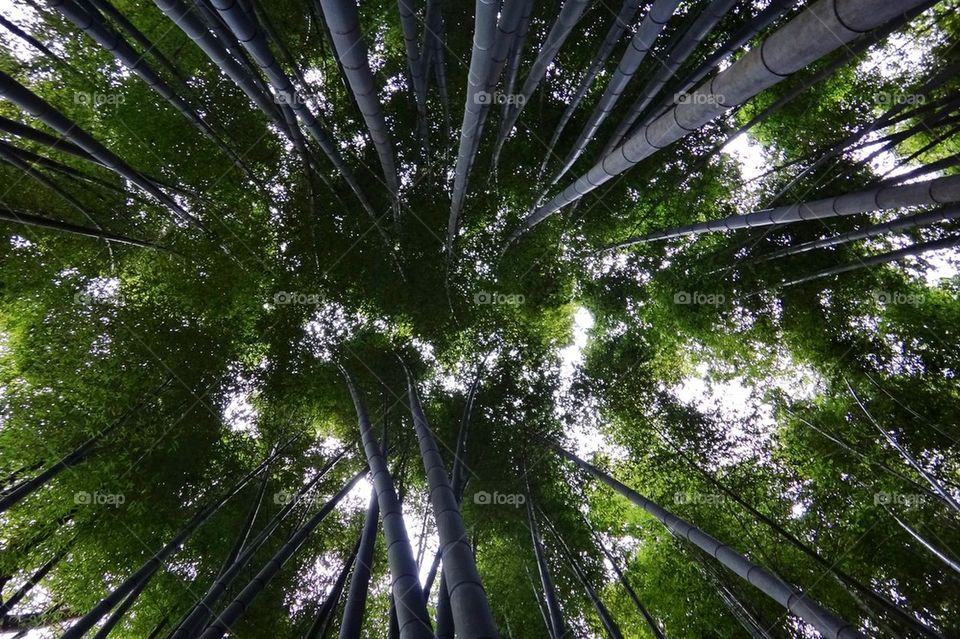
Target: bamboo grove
x: 505, y: 318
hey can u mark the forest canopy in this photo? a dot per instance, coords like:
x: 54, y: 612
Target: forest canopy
x: 505, y: 318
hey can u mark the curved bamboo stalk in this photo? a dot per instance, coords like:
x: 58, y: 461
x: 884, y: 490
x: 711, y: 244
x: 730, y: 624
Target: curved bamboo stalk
x: 768, y: 583
x: 820, y: 29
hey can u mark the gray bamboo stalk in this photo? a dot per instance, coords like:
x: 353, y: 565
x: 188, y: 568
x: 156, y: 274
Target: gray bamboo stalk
x: 509, y: 26
x: 893, y: 115
x: 40, y: 137
x: 10, y: 602
x: 647, y: 617
x: 905, y: 454
x: 481, y: 60
x: 201, y: 517
x: 435, y: 38
x: 33, y: 42
x: 879, y: 197
x: 415, y: 61
x: 191, y: 25
x: 15, y: 160
x: 104, y: 631
x: 836, y: 439
x: 29, y: 219
x: 744, y: 616
x: 242, y: 601
x: 938, y: 165
x: 93, y: 25
x: 650, y: 27
x: 137, y: 36
x: 847, y: 581
x: 540, y: 605
x: 622, y: 20
x: 192, y: 625
x: 249, y: 35
x: 569, y: 15
x: 613, y: 630
x: 773, y: 12
x: 328, y: 609
x: 468, y: 601
x: 514, y: 56
x: 458, y: 478
x: 411, y: 611
x: 556, y: 626
x: 787, y: 596
x: 58, y: 167
x: 854, y: 50
x: 356, y: 603
x: 944, y: 214
x: 883, y: 258
x: 344, y: 23
x: 821, y: 28
x: 668, y: 67
x: 939, y: 554
x: 60, y: 144
x: 38, y: 108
